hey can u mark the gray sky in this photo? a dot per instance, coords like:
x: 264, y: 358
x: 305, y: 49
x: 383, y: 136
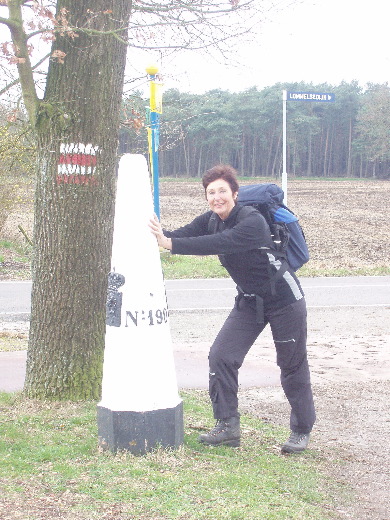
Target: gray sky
x: 313, y: 41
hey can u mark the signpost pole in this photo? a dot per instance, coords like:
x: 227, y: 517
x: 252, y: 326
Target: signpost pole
x: 284, y: 173
x: 155, y: 111
x: 298, y: 96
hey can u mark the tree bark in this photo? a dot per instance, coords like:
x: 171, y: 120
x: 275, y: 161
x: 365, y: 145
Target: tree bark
x: 77, y: 129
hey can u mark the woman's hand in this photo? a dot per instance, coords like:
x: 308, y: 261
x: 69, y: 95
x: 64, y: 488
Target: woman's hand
x: 156, y: 229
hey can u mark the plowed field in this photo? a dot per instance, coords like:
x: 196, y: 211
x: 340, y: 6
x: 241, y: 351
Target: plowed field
x: 346, y: 223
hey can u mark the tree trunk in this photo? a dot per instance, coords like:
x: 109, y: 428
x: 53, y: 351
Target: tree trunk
x: 185, y: 154
x: 254, y: 156
x: 276, y: 155
x: 325, y: 164
x: 270, y: 154
x: 349, y: 161
x: 242, y: 154
x: 309, y: 155
x: 77, y: 129
x: 199, y: 168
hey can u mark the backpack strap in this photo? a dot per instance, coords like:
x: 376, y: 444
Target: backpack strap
x: 243, y: 212
x: 274, y: 277
x: 213, y: 224
x: 279, y: 253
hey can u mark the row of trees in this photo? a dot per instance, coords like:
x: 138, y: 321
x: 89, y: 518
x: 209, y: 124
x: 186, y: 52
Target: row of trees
x: 348, y: 137
x: 17, y: 157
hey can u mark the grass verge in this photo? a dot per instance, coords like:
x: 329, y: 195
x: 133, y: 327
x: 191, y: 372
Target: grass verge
x: 178, y: 266
x: 19, y: 252
x: 51, y: 467
x: 13, y: 341
x: 15, y: 260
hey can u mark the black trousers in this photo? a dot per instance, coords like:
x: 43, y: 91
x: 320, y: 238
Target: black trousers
x: 239, y: 332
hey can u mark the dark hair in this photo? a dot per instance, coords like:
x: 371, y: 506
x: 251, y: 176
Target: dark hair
x: 221, y: 171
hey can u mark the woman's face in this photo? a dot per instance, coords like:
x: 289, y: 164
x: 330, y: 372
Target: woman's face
x: 220, y: 197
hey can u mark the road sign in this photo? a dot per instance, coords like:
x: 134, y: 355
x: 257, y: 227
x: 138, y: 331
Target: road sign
x: 310, y: 96
x: 297, y: 96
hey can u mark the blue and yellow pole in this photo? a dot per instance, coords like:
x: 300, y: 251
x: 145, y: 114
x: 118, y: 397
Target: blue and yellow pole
x: 153, y: 132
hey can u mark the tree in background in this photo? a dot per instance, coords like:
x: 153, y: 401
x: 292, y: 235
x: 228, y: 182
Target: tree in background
x: 373, y: 128
x: 346, y: 138
x: 17, y: 160
x: 76, y: 125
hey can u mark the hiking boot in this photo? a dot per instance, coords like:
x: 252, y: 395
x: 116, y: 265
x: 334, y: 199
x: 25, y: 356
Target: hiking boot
x: 296, y: 443
x: 226, y: 432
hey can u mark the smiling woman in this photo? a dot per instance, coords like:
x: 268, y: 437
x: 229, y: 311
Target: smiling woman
x: 221, y: 188
x: 220, y: 197
x: 268, y: 292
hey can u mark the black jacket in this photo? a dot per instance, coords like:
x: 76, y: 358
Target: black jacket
x: 244, y: 245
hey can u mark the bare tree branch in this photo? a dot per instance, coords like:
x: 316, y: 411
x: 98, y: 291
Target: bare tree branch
x: 17, y: 80
x: 166, y: 25
x: 23, y: 59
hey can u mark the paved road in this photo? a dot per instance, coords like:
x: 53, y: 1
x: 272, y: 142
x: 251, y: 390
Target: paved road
x: 351, y: 301
x: 320, y: 292
x: 367, y: 291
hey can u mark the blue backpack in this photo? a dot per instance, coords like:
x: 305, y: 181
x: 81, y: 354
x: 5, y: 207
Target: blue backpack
x: 286, y: 232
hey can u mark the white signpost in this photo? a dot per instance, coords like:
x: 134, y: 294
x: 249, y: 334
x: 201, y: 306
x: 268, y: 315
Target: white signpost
x: 140, y: 406
x: 297, y: 96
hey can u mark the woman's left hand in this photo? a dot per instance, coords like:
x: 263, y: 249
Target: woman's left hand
x: 157, y: 231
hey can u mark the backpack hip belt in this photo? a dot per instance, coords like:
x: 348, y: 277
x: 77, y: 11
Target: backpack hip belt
x: 252, y: 297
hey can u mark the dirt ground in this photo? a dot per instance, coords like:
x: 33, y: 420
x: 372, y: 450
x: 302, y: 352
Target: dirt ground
x: 346, y: 226
x: 350, y: 367
x: 345, y: 222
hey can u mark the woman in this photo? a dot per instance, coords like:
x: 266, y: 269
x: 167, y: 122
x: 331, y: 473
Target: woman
x: 242, y: 239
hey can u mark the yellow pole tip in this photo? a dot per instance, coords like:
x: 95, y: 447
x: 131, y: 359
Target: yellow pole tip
x: 152, y: 69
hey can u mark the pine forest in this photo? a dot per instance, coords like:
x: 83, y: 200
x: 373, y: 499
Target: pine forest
x: 349, y: 137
